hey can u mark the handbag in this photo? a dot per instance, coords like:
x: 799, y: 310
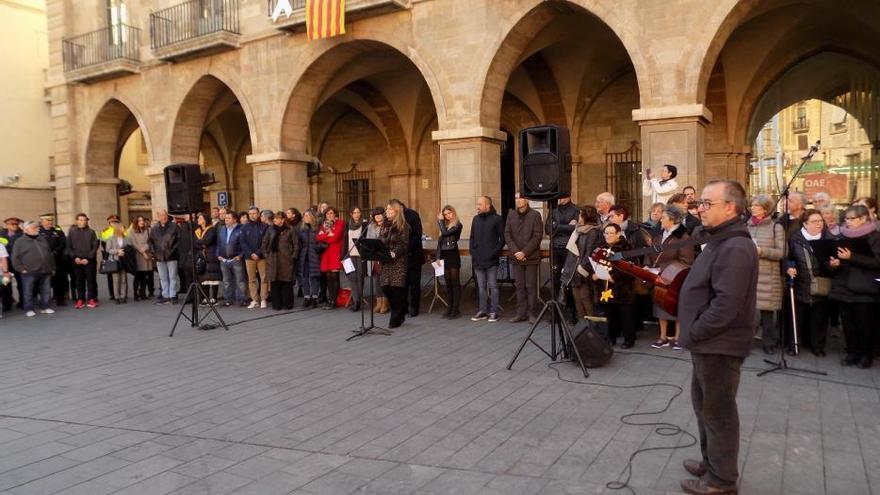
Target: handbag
x: 321, y: 246
x: 201, y: 264
x: 819, y: 286
x: 109, y: 266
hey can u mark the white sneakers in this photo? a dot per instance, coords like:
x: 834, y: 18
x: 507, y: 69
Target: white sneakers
x: 47, y: 311
x: 30, y: 314
x: 252, y: 305
x: 263, y: 305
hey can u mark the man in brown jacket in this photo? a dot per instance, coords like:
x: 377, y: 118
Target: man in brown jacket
x: 716, y: 309
x: 523, y: 233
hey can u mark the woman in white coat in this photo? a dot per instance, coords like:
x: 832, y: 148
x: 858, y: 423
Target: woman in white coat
x: 660, y: 190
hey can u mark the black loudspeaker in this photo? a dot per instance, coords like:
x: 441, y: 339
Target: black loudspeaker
x: 545, y: 162
x: 591, y: 344
x: 183, y: 188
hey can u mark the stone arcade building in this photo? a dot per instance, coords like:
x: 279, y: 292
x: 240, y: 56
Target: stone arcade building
x: 421, y: 98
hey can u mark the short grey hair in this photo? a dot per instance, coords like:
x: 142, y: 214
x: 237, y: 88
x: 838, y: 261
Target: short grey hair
x: 606, y: 196
x: 822, y: 195
x: 764, y: 201
x: 674, y: 213
x: 733, y: 192
x: 799, y: 195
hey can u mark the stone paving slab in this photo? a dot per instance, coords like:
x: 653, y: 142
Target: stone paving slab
x: 103, y: 401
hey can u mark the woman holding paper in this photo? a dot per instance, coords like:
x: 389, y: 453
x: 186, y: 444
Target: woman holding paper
x: 448, y: 254
x: 616, y: 294
x: 356, y: 228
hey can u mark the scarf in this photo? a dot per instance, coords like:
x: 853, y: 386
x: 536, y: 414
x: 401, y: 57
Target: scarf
x: 757, y: 221
x: 809, y: 236
x: 862, y: 231
x: 273, y: 246
x: 572, y: 246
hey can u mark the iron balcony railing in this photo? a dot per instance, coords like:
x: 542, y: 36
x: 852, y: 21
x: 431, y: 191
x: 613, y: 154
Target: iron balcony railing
x: 294, y: 5
x: 192, y: 19
x: 104, y: 45
x: 800, y: 124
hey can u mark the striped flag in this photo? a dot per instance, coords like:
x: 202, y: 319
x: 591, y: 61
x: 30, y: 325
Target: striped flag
x: 325, y: 18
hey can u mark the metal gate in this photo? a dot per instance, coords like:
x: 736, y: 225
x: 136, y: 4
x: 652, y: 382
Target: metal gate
x: 354, y: 188
x: 623, y: 178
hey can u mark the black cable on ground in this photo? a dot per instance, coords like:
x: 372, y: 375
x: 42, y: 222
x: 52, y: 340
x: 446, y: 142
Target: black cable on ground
x: 661, y: 428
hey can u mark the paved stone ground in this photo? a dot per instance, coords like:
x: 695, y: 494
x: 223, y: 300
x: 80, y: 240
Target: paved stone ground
x: 102, y: 401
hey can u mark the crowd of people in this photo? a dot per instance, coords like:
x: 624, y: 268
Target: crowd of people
x: 256, y: 259
x: 252, y: 259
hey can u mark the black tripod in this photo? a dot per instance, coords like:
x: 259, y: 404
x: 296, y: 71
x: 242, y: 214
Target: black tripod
x: 782, y: 364
x: 370, y: 250
x: 194, y: 294
x: 558, y: 324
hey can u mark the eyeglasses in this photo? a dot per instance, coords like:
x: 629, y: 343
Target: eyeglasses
x: 708, y: 203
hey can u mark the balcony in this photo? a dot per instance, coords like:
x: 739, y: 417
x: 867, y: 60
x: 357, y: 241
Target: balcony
x: 354, y: 10
x: 103, y: 54
x: 194, y: 28
x: 800, y: 124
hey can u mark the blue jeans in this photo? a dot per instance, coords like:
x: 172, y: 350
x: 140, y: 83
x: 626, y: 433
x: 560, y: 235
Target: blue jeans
x: 40, y: 281
x: 487, y: 279
x: 168, y: 277
x: 310, y: 282
x: 233, y: 281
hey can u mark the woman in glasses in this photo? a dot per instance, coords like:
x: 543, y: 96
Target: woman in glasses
x: 769, y: 238
x: 616, y: 296
x: 810, y: 274
x: 855, y: 287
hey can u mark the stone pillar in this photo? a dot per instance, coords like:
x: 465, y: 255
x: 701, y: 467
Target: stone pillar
x: 280, y: 180
x: 674, y: 135
x: 97, y: 198
x: 158, y: 199
x: 400, y: 184
x: 470, y: 167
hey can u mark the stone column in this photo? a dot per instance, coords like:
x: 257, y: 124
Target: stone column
x: 280, y: 180
x: 674, y: 135
x: 97, y: 198
x: 158, y: 200
x: 470, y: 167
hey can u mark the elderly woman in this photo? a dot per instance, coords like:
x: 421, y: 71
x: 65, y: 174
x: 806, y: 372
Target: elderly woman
x: 652, y: 224
x: 769, y: 239
x: 807, y: 270
x: 854, y: 285
x: 830, y: 217
x: 672, y: 231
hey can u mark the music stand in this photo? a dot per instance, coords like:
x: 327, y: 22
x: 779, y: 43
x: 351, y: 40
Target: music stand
x: 370, y: 250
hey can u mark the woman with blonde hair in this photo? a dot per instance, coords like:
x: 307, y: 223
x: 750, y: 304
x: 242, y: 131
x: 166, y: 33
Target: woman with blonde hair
x: 395, y: 235
x: 374, y: 231
x: 769, y: 238
x: 309, y: 262
x: 115, y: 245
x: 447, y: 250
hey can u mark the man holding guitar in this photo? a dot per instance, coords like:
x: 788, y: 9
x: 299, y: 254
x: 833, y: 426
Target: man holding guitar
x: 717, y: 314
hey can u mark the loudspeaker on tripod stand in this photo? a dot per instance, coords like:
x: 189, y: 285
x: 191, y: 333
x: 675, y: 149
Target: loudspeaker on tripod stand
x: 545, y: 162
x: 183, y: 188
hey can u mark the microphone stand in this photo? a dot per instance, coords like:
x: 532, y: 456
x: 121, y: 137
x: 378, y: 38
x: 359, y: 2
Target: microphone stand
x: 782, y: 364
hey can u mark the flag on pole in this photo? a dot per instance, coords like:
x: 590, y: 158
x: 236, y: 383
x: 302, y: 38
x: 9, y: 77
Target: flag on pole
x: 325, y: 18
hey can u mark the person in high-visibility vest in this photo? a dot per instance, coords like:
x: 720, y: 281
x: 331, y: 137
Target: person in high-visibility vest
x: 8, y: 236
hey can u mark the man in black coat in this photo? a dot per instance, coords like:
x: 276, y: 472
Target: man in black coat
x: 415, y: 258
x: 82, y: 250
x: 716, y: 309
x: 559, y: 227
x: 486, y: 243
x: 58, y: 244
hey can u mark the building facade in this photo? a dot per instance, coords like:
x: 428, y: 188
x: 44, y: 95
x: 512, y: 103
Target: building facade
x: 25, y: 124
x: 422, y: 99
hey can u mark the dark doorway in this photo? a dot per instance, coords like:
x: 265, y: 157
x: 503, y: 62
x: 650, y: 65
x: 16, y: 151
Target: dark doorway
x: 508, y: 173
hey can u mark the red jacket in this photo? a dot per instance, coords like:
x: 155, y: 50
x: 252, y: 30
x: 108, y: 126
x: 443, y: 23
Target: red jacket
x: 330, y: 258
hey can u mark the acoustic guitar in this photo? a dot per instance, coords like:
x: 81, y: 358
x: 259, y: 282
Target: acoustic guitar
x: 667, y: 284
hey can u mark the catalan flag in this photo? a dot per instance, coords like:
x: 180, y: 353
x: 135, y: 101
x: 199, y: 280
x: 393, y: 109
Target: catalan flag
x: 325, y: 18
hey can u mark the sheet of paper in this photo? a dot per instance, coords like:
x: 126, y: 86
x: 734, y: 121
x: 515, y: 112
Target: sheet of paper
x: 348, y: 265
x: 601, y: 270
x: 438, y: 268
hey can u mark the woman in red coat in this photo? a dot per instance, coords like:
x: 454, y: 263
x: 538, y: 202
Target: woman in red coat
x: 331, y: 233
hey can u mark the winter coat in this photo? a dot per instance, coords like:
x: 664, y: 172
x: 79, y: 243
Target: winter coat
x: 487, y: 239
x: 141, y: 243
x: 684, y: 255
x: 82, y: 243
x: 622, y: 284
x: 252, y: 235
x: 231, y: 247
x: 770, y: 237
x: 281, y: 254
x: 32, y: 255
x: 415, y: 253
x: 394, y: 272
x: 717, y: 303
x: 855, y: 279
x: 799, y: 250
x: 57, y: 243
x: 588, y: 239
x: 114, y: 246
x: 449, y: 236
x: 164, y: 241
x: 561, y: 220
x: 658, y: 190
x: 206, y: 244
x: 333, y: 236
x: 524, y: 232
x: 309, y: 260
